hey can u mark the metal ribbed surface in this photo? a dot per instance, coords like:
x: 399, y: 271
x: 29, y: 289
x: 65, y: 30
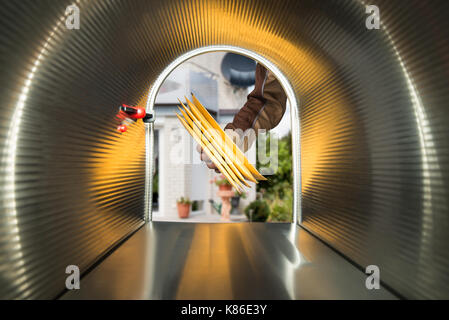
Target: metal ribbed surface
x: 375, y: 148
x: 373, y: 107
x: 71, y: 186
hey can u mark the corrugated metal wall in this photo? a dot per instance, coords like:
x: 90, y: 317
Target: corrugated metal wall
x: 71, y: 185
x: 375, y: 148
x: 373, y: 107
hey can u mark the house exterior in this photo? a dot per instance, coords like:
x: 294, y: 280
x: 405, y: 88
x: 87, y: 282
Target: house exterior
x: 180, y: 173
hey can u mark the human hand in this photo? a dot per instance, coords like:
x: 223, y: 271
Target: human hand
x: 205, y: 158
x: 233, y: 135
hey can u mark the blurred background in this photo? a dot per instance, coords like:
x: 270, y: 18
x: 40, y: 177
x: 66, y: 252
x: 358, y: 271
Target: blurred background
x: 221, y: 81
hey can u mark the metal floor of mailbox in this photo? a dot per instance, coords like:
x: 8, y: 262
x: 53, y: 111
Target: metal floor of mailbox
x: 169, y: 260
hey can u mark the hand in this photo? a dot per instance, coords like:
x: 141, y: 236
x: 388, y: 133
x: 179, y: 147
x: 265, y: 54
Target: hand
x: 204, y: 157
x: 233, y: 135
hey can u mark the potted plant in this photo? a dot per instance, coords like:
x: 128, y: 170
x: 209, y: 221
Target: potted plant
x: 222, y: 183
x: 183, y: 205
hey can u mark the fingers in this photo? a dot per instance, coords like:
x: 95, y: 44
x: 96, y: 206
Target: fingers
x: 204, y: 157
x: 209, y: 163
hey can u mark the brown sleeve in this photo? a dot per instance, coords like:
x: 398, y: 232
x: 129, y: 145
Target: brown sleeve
x: 265, y: 105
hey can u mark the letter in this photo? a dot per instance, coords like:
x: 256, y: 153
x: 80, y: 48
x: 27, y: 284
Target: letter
x: 228, y: 308
x: 73, y: 281
x: 373, y: 281
x: 272, y: 160
x: 249, y: 309
x: 373, y: 20
x: 73, y: 19
x: 212, y: 310
x: 179, y: 147
x: 263, y: 308
x: 184, y: 310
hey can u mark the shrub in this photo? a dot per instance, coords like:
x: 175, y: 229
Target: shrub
x: 281, y: 208
x: 279, y: 213
x: 282, y: 179
x: 277, y: 190
x: 257, y: 211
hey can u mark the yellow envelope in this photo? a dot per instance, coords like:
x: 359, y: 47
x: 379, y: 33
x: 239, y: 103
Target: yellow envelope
x: 206, y: 149
x: 214, y: 151
x: 229, y: 148
x: 210, y: 138
x: 228, y: 140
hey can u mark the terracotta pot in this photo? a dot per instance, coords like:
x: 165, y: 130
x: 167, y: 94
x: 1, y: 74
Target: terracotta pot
x: 183, y: 210
x: 225, y: 187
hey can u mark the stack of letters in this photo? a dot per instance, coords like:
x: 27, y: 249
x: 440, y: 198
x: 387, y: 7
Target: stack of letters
x: 220, y: 148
